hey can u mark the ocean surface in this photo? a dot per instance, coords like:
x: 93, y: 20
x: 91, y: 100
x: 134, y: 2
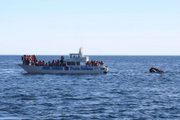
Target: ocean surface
x: 127, y: 92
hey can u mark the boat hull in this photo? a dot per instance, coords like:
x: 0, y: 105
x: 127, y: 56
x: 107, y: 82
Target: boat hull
x: 64, y: 70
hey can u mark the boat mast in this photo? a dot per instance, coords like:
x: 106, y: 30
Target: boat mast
x: 81, y: 52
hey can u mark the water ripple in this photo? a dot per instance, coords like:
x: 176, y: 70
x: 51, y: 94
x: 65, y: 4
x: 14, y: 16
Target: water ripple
x: 128, y: 92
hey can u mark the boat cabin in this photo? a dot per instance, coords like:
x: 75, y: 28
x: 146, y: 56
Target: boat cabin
x: 76, y: 60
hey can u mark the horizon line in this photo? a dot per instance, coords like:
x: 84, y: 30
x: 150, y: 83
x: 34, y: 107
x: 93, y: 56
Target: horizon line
x: 90, y: 55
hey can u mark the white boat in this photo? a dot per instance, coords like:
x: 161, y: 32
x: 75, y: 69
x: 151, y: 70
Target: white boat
x: 76, y: 64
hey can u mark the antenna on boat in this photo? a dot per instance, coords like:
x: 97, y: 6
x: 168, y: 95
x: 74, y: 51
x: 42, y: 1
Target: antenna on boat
x: 81, y: 52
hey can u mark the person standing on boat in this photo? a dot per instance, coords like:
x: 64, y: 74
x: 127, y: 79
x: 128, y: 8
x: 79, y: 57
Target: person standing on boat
x: 62, y: 59
x: 24, y: 59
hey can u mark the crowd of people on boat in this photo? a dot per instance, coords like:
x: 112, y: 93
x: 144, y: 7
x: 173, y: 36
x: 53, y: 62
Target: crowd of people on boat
x: 29, y: 59
x: 32, y: 60
x: 94, y: 63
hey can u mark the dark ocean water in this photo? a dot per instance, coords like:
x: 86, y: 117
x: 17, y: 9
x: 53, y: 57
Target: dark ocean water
x: 128, y: 92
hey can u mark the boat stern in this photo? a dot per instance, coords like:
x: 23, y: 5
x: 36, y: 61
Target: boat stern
x: 105, y: 69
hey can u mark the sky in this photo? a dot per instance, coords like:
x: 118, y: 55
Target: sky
x: 101, y: 27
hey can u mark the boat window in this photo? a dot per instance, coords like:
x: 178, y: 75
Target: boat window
x: 82, y: 63
x: 70, y: 63
x: 77, y: 63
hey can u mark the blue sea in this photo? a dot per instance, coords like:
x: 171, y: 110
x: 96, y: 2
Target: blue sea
x: 127, y: 92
